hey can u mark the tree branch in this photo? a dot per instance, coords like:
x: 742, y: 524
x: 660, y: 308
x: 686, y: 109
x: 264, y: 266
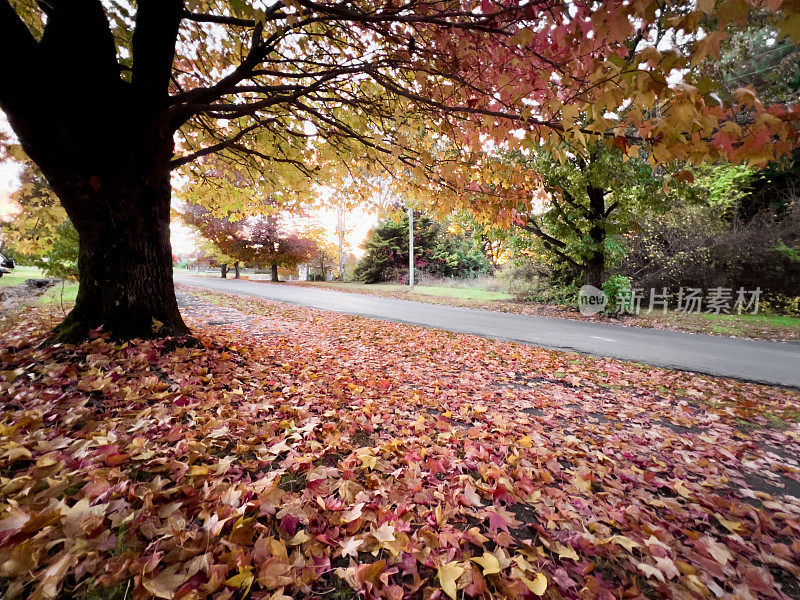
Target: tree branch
x: 178, y: 162
x: 153, y: 47
x: 15, y: 41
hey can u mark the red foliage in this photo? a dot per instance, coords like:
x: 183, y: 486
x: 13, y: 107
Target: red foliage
x: 296, y: 452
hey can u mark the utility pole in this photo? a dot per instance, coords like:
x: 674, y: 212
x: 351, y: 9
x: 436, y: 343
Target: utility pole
x: 340, y: 231
x: 410, y: 248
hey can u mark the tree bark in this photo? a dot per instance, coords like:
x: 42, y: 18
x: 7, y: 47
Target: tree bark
x: 125, y: 282
x: 274, y: 268
x: 236, y: 270
x: 105, y: 148
x: 594, y: 272
x: 223, y: 271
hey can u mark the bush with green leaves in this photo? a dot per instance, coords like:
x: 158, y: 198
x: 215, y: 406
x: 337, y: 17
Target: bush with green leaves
x: 615, y: 288
x: 61, y: 259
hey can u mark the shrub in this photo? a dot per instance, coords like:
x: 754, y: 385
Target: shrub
x: 615, y: 287
x: 61, y: 260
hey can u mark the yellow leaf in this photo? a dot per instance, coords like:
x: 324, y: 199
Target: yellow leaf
x: 584, y: 485
x: 623, y: 541
x: 720, y: 553
x: 566, y: 551
x: 650, y: 571
x: 301, y: 537
x: 448, y: 574
x: 368, y: 461
x: 525, y: 441
x: 242, y: 580
x: 166, y: 583
x: 682, y: 490
x: 488, y: 563
x: 538, y: 585
x: 11, y: 375
x: 18, y: 453
x: 790, y: 26
x: 198, y: 470
x: 730, y: 525
x: 384, y: 533
x: 522, y: 37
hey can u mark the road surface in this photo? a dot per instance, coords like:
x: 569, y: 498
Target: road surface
x: 764, y: 362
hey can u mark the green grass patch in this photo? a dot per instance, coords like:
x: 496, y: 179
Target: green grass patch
x: 59, y: 295
x: 20, y: 274
x: 457, y: 292
x: 757, y: 319
x: 761, y: 325
x: 722, y: 330
x: 441, y: 291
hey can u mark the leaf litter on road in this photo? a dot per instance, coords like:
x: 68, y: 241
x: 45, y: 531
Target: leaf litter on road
x: 298, y: 453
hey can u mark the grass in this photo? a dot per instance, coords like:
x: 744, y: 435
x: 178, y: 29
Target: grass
x: 441, y: 291
x: 760, y: 325
x: 758, y: 319
x: 54, y: 294
x: 469, y: 293
x: 20, y: 274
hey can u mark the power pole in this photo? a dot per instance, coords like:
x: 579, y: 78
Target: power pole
x: 340, y: 231
x: 410, y: 248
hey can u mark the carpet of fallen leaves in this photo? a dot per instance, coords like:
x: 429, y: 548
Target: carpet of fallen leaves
x: 297, y: 453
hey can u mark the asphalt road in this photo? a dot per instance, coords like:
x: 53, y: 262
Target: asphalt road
x: 763, y: 362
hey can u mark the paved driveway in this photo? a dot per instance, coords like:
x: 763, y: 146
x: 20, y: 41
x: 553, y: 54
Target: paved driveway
x: 765, y: 362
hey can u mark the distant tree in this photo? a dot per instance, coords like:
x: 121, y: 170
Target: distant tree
x: 258, y: 240
x: 584, y: 204
x: 325, y: 260
x: 220, y: 259
x: 487, y: 238
x: 226, y: 239
x: 33, y: 230
x: 271, y: 246
x: 436, y: 251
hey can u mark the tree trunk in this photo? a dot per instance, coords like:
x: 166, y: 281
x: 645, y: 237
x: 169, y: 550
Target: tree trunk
x: 236, y: 270
x: 275, y: 272
x: 105, y: 147
x: 594, y: 273
x: 223, y: 271
x: 125, y: 282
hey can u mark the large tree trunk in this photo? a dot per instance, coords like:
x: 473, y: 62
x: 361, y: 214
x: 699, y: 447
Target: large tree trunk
x: 275, y: 272
x: 223, y: 271
x: 594, y: 273
x: 104, y: 144
x: 236, y: 270
x: 125, y: 283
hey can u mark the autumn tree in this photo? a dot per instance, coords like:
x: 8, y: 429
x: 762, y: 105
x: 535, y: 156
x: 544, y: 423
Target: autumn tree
x: 584, y: 205
x: 226, y: 237
x: 109, y: 98
x: 258, y: 240
x: 35, y: 228
x: 271, y: 246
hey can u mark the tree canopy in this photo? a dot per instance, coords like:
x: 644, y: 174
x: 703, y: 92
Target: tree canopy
x: 298, y: 90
